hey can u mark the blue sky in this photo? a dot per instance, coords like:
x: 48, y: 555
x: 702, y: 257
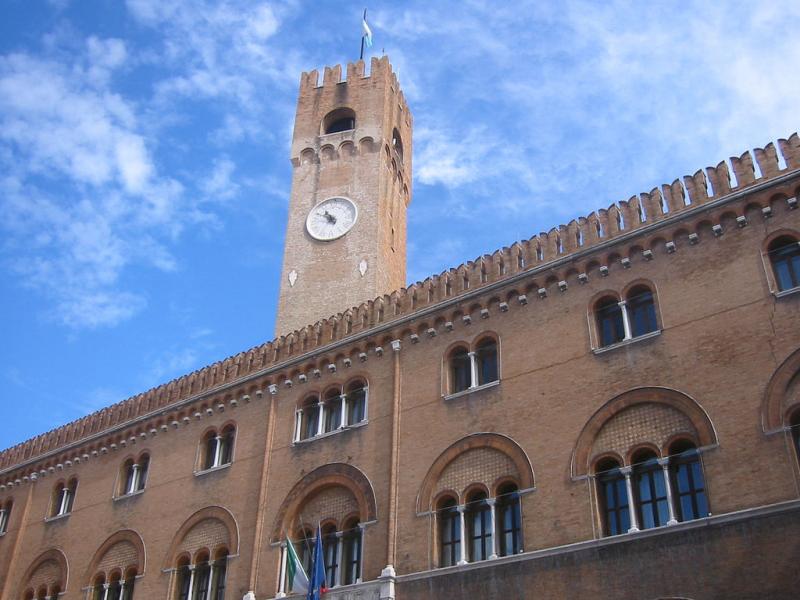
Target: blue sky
x: 144, y: 172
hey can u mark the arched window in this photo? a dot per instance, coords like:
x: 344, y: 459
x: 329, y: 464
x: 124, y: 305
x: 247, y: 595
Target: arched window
x: 351, y: 552
x: 341, y: 119
x: 397, y: 144
x: 330, y: 551
x: 486, y: 356
x: 184, y: 579
x: 202, y: 577
x: 449, y: 532
x: 5, y: 514
x: 641, y: 310
x: 509, y: 519
x: 63, y: 498
x: 203, y: 580
x: 128, y: 583
x: 218, y: 447
x: 134, y: 475
x: 479, y: 527
x: 310, y: 417
x: 784, y: 254
x: 650, y: 490
x: 460, y: 370
x: 114, y: 587
x: 356, y: 402
x: 219, y: 572
x: 610, y: 322
x: 99, y: 587
x: 688, y: 484
x: 333, y: 410
x: 613, y: 498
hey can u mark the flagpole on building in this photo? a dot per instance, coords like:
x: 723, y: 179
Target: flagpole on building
x: 364, y: 19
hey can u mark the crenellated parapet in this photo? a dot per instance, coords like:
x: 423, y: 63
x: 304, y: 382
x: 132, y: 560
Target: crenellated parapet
x: 615, y: 237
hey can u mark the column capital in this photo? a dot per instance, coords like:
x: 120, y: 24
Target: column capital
x: 626, y: 471
x: 621, y: 303
x: 664, y: 462
x: 461, y: 508
x: 395, y: 345
x: 491, y: 501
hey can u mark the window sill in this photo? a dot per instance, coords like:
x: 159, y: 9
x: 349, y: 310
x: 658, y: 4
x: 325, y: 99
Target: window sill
x: 211, y: 470
x: 126, y: 496
x: 472, y: 390
x: 330, y: 433
x: 56, y: 517
x: 639, y: 338
x: 789, y: 292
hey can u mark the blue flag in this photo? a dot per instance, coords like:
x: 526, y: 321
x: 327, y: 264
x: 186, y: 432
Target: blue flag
x: 316, y: 582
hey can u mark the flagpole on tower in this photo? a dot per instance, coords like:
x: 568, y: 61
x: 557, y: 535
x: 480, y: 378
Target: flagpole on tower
x: 363, y: 34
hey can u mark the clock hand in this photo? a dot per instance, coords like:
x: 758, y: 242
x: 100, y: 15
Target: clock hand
x: 330, y: 217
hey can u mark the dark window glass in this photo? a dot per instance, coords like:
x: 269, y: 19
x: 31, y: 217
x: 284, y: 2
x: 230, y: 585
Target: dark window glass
x: 330, y: 549
x: 479, y: 528
x: 651, y: 493
x: 609, y: 322
x: 351, y: 553
x: 211, y: 451
x: 642, y: 312
x: 449, y: 534
x: 510, y: 519
x: 144, y: 467
x: 688, y: 485
x: 226, y: 453
x: 129, y: 478
x: 614, y: 499
x: 201, y: 581
x: 310, y: 419
x: 220, y: 572
x: 305, y: 551
x: 114, y: 591
x: 356, y: 404
x: 460, y: 370
x: 795, y: 434
x: 184, y: 577
x: 487, y: 362
x: 127, y: 593
x: 344, y: 124
x: 784, y: 254
x: 333, y: 412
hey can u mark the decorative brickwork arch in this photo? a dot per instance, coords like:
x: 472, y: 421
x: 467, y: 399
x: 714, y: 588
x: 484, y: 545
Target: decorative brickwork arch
x: 208, y: 528
x: 783, y: 393
x: 123, y: 550
x: 50, y: 570
x: 497, y: 457
x: 337, y: 484
x: 671, y: 409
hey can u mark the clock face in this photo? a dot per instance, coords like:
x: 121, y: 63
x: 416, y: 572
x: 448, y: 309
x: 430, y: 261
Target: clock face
x: 331, y: 218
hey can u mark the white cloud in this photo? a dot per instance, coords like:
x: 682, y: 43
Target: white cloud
x: 218, y: 185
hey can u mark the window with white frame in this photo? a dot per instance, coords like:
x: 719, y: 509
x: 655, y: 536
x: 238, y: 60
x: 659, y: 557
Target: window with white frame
x: 217, y: 448
x: 338, y: 408
x: 133, y: 476
x: 63, y: 497
x: 470, y: 368
x: 784, y: 256
x: 618, y: 320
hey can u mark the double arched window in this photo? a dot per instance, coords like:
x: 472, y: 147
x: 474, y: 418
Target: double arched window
x: 341, y: 552
x: 482, y: 528
x: 5, y: 514
x: 470, y: 368
x: 204, y: 578
x: 661, y: 491
x: 217, y: 448
x: 133, y: 475
x: 618, y: 320
x: 118, y: 586
x: 63, y: 497
x: 784, y: 256
x: 43, y: 593
x: 338, y: 408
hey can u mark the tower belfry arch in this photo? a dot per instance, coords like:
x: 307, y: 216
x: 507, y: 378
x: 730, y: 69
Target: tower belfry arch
x: 351, y: 185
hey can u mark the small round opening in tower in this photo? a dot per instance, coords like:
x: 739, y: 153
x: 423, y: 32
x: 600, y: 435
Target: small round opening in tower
x: 341, y: 119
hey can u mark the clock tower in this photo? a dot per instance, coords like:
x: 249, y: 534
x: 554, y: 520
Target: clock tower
x: 351, y: 185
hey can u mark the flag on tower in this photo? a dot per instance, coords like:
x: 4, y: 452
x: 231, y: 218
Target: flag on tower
x: 367, y: 32
x: 295, y: 574
x: 316, y: 585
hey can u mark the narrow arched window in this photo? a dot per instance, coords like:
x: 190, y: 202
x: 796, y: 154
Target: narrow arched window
x: 613, y: 498
x: 610, y: 323
x: 795, y: 427
x: 351, y: 552
x: 98, y: 587
x: 134, y: 475
x: 144, y: 469
x: 202, y: 577
x: 305, y: 549
x: 509, y: 519
x: 460, y: 370
x: 486, y: 355
x: 479, y: 527
x: 449, y: 532
x: 310, y: 417
x: 128, y: 583
x: 219, y: 571
x: 64, y: 497
x: 641, y: 311
x: 5, y: 515
x: 333, y: 410
x: 184, y: 579
x: 688, y: 484
x: 784, y: 254
x: 210, y: 450
x: 356, y: 402
x: 330, y: 551
x: 650, y: 490
x: 341, y: 119
x: 397, y: 144
x: 226, y: 442
x: 114, y: 587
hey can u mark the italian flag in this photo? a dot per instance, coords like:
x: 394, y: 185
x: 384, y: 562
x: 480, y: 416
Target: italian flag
x: 296, y: 576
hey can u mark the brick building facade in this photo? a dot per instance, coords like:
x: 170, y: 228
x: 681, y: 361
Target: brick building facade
x: 609, y: 409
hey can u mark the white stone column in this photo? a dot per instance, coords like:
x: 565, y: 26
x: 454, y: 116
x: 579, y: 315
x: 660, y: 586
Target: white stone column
x: 134, y: 479
x: 282, y: 573
x: 3, y: 519
x: 106, y: 587
x: 122, y: 590
x: 492, y: 525
x: 339, y: 544
x: 664, y: 462
x: 359, y: 575
x: 625, y: 322
x: 298, y: 424
x: 321, y: 417
x: 190, y: 593
x: 217, y: 451
x: 462, y: 546
x: 343, y: 421
x: 210, y: 588
x: 62, y: 509
x: 626, y: 471
x: 473, y: 369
